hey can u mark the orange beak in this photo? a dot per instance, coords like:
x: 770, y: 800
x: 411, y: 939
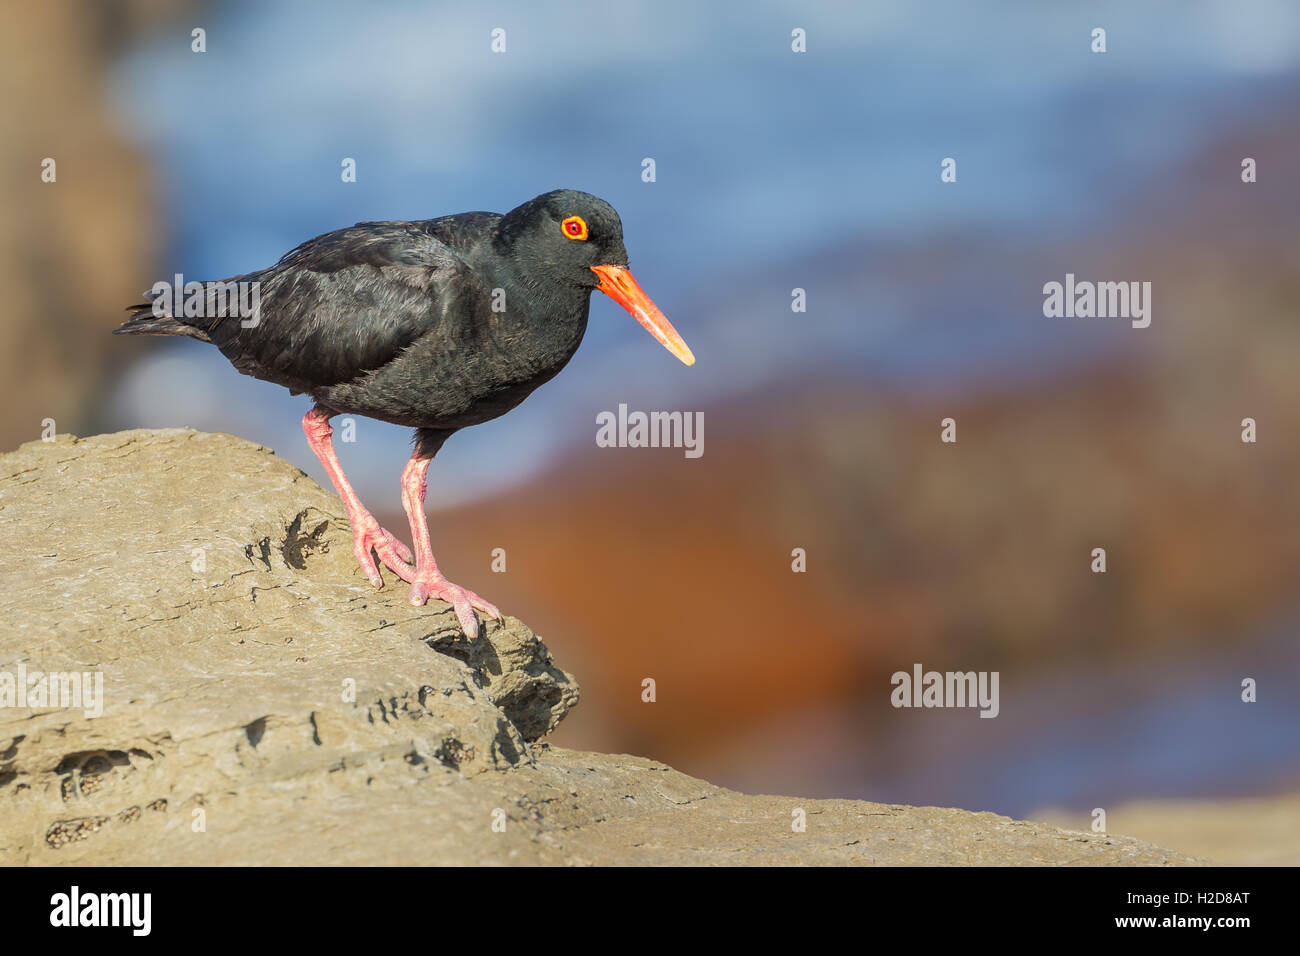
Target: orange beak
x: 617, y: 283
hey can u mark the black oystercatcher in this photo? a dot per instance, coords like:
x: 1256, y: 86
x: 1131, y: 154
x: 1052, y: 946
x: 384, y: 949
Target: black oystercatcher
x: 436, y: 324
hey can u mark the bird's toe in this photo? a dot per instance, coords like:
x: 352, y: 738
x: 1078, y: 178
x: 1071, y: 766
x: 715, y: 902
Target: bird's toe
x: 367, y: 537
x: 486, y: 607
x: 462, y: 601
x: 405, y: 554
x: 361, y: 552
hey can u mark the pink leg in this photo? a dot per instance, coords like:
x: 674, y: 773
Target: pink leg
x: 428, y: 580
x: 366, y: 532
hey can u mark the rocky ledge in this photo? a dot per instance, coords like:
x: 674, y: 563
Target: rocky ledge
x: 194, y: 671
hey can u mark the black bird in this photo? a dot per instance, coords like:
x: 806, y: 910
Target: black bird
x: 436, y: 324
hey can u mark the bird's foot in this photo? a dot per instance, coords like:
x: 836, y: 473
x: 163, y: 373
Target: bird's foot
x: 367, y: 534
x: 427, y: 585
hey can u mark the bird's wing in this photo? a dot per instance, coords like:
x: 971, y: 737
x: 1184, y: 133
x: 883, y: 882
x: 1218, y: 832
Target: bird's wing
x: 347, y: 303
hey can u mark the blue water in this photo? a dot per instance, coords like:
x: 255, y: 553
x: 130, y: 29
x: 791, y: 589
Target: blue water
x: 1160, y: 723
x: 1174, y: 726
x: 774, y: 170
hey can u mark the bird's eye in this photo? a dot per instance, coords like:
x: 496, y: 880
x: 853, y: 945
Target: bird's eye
x: 575, y: 227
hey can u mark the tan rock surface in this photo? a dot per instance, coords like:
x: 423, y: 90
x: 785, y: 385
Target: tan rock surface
x: 1241, y: 831
x: 262, y: 704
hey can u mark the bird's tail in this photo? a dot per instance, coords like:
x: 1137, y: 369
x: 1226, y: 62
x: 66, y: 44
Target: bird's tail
x: 196, y: 309
x: 155, y: 317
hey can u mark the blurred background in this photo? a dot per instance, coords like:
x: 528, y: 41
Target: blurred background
x: 775, y: 170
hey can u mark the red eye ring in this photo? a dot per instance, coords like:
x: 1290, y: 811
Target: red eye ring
x: 575, y: 227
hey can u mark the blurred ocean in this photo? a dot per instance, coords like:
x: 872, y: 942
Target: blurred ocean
x: 774, y: 171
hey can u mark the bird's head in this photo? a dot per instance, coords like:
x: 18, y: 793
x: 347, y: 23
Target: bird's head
x: 577, y: 239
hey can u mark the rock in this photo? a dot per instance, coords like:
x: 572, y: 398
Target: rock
x: 261, y: 703
x: 1231, y: 831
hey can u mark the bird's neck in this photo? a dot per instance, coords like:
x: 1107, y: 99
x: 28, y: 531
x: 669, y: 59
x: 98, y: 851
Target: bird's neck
x: 540, y: 321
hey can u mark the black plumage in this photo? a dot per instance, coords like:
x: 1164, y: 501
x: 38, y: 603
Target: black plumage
x: 436, y: 324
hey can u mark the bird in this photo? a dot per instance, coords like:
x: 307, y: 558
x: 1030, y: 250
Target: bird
x: 434, y: 324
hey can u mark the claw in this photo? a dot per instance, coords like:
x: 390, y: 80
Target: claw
x: 398, y: 545
x: 462, y: 600
x: 368, y: 535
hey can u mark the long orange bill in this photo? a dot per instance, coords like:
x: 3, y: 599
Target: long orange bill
x: 617, y: 283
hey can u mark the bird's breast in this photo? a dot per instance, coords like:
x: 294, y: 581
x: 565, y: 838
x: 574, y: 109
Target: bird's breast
x: 470, y: 373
